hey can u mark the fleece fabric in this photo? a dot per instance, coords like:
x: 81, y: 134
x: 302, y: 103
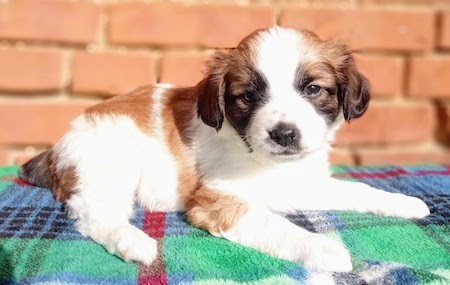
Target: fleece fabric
x: 39, y: 244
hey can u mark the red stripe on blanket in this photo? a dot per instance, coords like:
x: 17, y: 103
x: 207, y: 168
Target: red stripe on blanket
x: 154, y: 225
x: 20, y: 182
x: 152, y: 280
x: 15, y: 180
x: 394, y: 173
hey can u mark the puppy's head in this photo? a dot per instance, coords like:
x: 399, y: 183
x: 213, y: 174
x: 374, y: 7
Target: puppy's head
x: 284, y: 92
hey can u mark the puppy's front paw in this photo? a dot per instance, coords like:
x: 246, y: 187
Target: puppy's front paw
x: 406, y: 207
x: 134, y: 245
x: 326, y: 254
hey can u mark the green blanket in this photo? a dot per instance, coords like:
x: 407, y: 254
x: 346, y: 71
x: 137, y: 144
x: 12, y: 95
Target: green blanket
x: 38, y: 244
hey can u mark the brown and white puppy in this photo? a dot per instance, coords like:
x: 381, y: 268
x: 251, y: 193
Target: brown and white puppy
x: 248, y: 142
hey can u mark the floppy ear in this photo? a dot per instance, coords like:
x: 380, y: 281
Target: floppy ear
x: 210, y: 101
x: 210, y: 92
x: 354, y: 93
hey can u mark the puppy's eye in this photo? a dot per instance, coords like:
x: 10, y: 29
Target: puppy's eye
x: 312, y: 89
x: 251, y: 97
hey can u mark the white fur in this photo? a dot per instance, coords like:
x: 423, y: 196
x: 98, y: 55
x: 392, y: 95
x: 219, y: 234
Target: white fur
x: 273, y: 234
x: 112, y: 158
x: 278, y: 53
x: 159, y: 182
x: 118, y: 165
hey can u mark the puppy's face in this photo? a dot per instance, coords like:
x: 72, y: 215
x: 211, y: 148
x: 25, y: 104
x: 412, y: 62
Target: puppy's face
x: 284, y: 92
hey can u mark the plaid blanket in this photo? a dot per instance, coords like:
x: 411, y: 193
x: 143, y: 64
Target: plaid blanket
x: 38, y: 244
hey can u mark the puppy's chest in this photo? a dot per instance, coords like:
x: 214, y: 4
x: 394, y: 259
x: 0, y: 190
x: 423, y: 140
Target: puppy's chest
x: 266, y: 182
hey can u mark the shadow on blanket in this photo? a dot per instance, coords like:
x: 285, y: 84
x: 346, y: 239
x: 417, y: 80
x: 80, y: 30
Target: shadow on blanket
x: 38, y: 244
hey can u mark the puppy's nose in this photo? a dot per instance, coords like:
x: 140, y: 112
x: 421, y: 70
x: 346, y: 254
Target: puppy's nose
x: 284, y: 134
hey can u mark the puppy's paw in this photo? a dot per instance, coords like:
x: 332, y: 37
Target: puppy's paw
x: 133, y: 244
x: 326, y: 254
x: 405, y: 207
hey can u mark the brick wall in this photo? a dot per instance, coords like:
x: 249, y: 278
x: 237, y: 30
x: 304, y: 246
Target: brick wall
x: 58, y: 56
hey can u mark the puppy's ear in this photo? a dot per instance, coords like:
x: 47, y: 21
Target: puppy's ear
x: 210, y: 92
x: 354, y: 90
x: 210, y: 102
x: 354, y: 95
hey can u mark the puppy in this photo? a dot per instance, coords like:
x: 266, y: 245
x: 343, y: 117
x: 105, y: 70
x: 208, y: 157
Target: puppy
x: 248, y: 142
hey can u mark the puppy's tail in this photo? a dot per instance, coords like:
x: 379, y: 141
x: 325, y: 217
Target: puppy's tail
x: 37, y: 170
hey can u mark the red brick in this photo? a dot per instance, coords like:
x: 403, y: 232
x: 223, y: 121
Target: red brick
x: 111, y: 74
x: 406, y: 2
x: 443, y: 114
x: 403, y: 157
x: 367, y: 28
x: 31, y: 69
x: 38, y: 123
x: 313, y: 2
x: 445, y: 29
x: 342, y: 157
x: 5, y: 157
x: 182, y: 24
x: 429, y: 76
x: 390, y: 124
x: 181, y: 68
x: 384, y: 73
x: 49, y: 20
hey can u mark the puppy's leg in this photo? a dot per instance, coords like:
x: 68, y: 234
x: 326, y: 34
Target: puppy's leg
x: 102, y: 212
x: 334, y: 194
x: 107, y: 155
x: 158, y: 187
x: 258, y: 228
x: 278, y: 237
x: 103, y: 206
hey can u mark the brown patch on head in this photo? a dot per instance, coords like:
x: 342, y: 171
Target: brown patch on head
x: 330, y: 64
x: 135, y: 104
x: 334, y: 70
x: 250, y: 92
x: 213, y: 211
x: 230, y: 74
x: 322, y: 75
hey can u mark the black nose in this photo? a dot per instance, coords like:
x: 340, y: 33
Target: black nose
x: 284, y: 134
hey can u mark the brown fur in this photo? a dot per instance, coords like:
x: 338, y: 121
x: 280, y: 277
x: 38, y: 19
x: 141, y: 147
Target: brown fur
x: 41, y: 171
x: 352, y: 88
x: 177, y: 114
x: 63, y: 183
x: 323, y: 74
x: 228, y: 69
x: 213, y: 211
x: 207, y: 209
x: 334, y: 69
x: 135, y: 104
